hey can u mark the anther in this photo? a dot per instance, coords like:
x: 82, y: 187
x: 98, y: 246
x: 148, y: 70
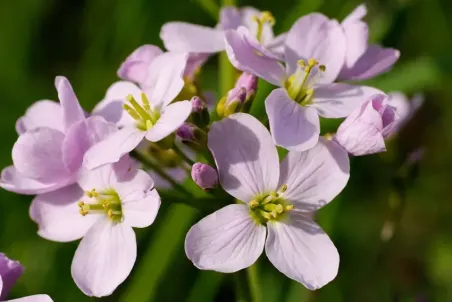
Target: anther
x: 267, y: 16
x: 268, y: 199
x: 253, y: 204
x: 145, y: 100
x: 131, y: 112
x: 283, y: 188
x: 289, y: 207
x: 312, y: 62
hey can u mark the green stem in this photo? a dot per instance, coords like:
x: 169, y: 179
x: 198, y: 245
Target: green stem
x: 210, y: 7
x: 182, y: 155
x: 159, y: 170
x: 228, y: 2
x: 253, y: 282
x: 240, y: 287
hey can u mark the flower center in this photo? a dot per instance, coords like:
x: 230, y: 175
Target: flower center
x: 265, y: 18
x: 145, y: 116
x: 103, y: 202
x: 300, y: 84
x: 271, y: 206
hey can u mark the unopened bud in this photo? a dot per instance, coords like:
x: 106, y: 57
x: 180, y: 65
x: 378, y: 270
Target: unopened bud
x: 200, y: 114
x: 197, y: 104
x: 249, y: 82
x: 204, y: 176
x: 192, y: 136
x: 234, y: 101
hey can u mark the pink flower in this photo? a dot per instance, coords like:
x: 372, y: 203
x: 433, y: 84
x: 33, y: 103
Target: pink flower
x: 101, y: 209
x: 142, y: 113
x: 363, y: 61
x: 181, y: 36
x: 314, y: 53
x: 364, y: 131
x: 277, y: 200
x: 53, y: 140
x: 10, y: 271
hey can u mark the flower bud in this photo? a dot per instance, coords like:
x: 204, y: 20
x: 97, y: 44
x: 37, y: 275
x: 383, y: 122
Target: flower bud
x: 364, y: 130
x: 200, y: 114
x: 204, y: 176
x: 192, y: 136
x: 10, y: 271
x: 249, y: 82
x: 232, y: 103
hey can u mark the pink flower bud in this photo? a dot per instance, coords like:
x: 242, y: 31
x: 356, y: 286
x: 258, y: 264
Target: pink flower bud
x: 204, y: 176
x: 197, y: 104
x: 10, y: 271
x: 249, y: 82
x: 364, y: 130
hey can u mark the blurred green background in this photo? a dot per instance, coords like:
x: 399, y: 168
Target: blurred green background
x: 87, y: 40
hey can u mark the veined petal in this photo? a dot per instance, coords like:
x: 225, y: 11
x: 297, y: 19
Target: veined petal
x: 314, y: 177
x: 226, y: 241
x: 110, y: 107
x: 339, y: 100
x: 357, y: 35
x: 302, y: 251
x: 173, y: 116
x: 245, y: 155
x: 34, y: 298
x: 276, y: 45
x: 37, y: 154
x: 248, y: 20
x: 43, y: 113
x: 315, y: 36
x: 72, y: 111
x: 244, y: 56
x: 82, y: 136
x: 141, y: 212
x: 111, y: 149
x: 58, y: 217
x: 104, y: 258
x: 293, y: 126
x: 165, y: 78
x: 373, y: 62
x: 186, y: 37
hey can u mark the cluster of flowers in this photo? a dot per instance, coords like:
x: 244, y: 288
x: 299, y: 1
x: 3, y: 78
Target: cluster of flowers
x: 89, y: 184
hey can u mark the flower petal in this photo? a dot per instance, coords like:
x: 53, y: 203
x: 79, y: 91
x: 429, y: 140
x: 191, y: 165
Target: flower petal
x: 339, y: 100
x: 293, y: 126
x: 276, y: 46
x: 356, y: 33
x: 72, y: 111
x: 58, y: 217
x: 43, y: 113
x: 373, y: 62
x: 13, y: 181
x: 244, y: 56
x: 225, y: 241
x: 82, y: 136
x: 10, y: 271
x: 38, y: 154
x: 230, y: 18
x: 245, y: 155
x: 111, y: 149
x: 135, y: 67
x: 104, y: 258
x: 248, y: 20
x: 178, y: 174
x: 141, y: 213
x: 110, y: 107
x: 314, y: 177
x: 316, y: 36
x: 186, y: 37
x: 165, y: 78
x: 173, y: 116
x: 34, y: 298
x: 302, y: 251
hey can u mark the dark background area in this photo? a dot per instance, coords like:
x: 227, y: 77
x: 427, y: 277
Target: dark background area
x: 87, y: 40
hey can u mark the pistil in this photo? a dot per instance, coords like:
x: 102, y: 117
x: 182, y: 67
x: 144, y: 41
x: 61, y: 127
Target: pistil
x: 271, y: 206
x: 264, y: 18
x: 299, y: 85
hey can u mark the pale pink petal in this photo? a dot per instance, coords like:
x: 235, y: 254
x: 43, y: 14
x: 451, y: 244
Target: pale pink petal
x: 373, y: 62
x: 72, y: 111
x: 302, y: 251
x: 315, y: 36
x: 357, y: 34
x: 113, y: 147
x: 38, y: 154
x: 13, y: 181
x: 104, y: 258
x: 165, y: 78
x: 230, y: 18
x: 110, y: 107
x: 245, y: 155
x: 186, y: 37
x: 293, y: 126
x: 244, y: 56
x: 135, y: 67
x: 82, y: 136
x: 10, y: 271
x: 43, y: 113
x: 276, y: 46
x: 173, y: 116
x: 356, y: 15
x: 58, y: 217
x: 314, y: 177
x: 339, y: 100
x: 248, y: 20
x: 226, y: 241
x: 141, y: 213
x: 34, y: 298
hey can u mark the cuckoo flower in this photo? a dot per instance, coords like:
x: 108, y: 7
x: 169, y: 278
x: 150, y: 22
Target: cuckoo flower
x: 314, y: 53
x: 405, y: 108
x: 181, y: 36
x: 363, y: 61
x: 53, y: 139
x: 363, y: 132
x: 140, y: 114
x: 101, y: 209
x: 276, y: 202
x: 10, y: 271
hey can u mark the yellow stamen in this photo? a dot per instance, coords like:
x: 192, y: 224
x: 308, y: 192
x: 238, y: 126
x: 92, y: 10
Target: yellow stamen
x: 289, y: 207
x: 145, y: 100
x: 131, y: 112
x: 253, y: 203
